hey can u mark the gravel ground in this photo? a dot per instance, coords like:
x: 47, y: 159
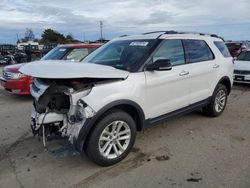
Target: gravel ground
x: 191, y: 151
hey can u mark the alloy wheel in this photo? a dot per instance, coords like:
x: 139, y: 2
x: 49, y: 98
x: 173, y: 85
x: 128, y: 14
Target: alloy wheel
x: 114, y: 139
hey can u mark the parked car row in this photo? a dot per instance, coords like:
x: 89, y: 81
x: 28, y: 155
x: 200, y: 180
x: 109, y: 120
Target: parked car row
x: 14, y: 57
x: 18, y: 83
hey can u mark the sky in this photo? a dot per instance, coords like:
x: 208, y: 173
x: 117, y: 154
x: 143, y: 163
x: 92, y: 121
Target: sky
x: 227, y: 18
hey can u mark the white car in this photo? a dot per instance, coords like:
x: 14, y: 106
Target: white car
x: 126, y: 85
x: 242, y: 68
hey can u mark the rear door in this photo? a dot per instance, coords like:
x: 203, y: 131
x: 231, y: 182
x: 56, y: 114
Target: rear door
x: 202, y: 67
x: 167, y: 90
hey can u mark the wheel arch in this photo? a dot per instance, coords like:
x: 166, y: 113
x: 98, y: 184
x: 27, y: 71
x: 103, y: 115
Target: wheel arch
x: 128, y: 106
x: 226, y: 82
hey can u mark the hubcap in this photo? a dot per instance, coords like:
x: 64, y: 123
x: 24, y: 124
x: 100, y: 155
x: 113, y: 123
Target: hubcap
x: 114, y: 139
x: 220, y: 100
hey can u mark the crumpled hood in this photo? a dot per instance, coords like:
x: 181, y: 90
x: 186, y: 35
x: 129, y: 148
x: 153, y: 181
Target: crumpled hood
x: 242, y: 65
x: 65, y: 69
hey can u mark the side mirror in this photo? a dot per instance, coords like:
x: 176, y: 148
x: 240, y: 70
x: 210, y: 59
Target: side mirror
x: 159, y: 65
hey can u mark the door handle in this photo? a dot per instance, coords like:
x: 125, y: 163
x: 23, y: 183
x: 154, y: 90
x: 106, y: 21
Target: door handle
x: 216, y: 66
x: 184, y: 73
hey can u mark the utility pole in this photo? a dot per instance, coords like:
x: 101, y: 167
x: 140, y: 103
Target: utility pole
x: 17, y: 37
x: 101, y: 25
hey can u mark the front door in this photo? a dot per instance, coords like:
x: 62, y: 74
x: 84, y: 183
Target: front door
x: 168, y: 90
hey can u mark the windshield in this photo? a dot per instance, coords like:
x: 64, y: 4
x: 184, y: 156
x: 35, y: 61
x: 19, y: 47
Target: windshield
x: 123, y: 54
x: 66, y: 53
x: 244, y: 56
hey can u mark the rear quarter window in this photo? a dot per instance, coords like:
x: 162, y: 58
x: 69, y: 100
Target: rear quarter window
x: 222, y: 48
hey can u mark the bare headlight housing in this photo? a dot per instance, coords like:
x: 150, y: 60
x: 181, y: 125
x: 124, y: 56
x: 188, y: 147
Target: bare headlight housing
x: 16, y: 75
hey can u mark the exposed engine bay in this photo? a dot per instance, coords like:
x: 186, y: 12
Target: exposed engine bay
x: 58, y: 108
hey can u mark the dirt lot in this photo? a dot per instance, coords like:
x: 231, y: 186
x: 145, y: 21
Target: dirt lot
x: 191, y: 151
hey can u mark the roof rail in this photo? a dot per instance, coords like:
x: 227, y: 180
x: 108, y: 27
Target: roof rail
x: 164, y: 32
x: 153, y: 32
x: 181, y: 32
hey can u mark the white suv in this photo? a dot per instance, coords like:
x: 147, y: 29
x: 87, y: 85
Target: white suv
x: 126, y: 85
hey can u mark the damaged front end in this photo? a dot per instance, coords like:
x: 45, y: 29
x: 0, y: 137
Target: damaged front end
x: 58, y: 108
x: 59, y: 89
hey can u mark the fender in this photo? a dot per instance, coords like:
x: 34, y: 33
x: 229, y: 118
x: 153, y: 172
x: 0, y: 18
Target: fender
x: 90, y: 122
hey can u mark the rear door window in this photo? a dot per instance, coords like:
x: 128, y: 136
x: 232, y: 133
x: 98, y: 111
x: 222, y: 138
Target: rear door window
x: 197, y: 51
x: 223, y: 48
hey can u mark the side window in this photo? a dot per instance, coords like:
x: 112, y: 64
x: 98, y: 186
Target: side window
x: 77, y: 54
x: 223, y: 48
x: 197, y: 51
x: 171, y: 49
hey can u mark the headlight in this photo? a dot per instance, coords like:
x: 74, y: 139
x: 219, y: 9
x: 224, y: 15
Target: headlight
x: 16, y: 76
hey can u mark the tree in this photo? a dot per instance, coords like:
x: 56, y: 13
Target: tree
x: 70, y: 37
x: 29, y: 35
x: 50, y: 36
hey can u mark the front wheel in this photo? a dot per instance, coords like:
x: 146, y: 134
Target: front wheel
x: 112, y: 138
x: 218, y: 102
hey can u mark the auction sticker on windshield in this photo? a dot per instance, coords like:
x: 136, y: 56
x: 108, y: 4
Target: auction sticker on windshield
x: 62, y: 49
x: 138, y: 44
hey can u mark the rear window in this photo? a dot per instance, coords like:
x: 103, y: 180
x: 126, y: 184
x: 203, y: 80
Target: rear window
x: 234, y: 45
x: 223, y: 48
x: 197, y: 51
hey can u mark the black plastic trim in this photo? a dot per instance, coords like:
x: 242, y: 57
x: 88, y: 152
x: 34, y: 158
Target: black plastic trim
x: 177, y: 113
x: 90, y: 123
x: 228, y: 79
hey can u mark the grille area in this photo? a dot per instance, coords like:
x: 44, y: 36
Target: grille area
x: 241, y: 72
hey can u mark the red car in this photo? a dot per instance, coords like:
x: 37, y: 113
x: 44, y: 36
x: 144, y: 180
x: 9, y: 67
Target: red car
x: 18, y: 83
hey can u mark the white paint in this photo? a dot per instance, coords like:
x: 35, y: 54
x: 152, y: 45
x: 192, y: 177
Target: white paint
x: 57, y: 69
x: 242, y: 65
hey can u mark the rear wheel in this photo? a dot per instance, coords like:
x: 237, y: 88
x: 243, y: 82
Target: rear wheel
x: 112, y: 138
x: 218, y: 102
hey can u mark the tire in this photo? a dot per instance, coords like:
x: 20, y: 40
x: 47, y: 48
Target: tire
x: 115, y: 126
x: 218, y: 102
